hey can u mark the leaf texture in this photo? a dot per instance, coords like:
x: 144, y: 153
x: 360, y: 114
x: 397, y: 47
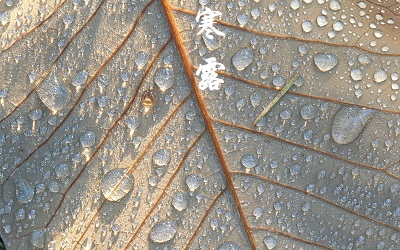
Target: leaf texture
x: 85, y: 165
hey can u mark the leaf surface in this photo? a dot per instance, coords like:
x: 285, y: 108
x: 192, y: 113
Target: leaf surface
x: 84, y: 164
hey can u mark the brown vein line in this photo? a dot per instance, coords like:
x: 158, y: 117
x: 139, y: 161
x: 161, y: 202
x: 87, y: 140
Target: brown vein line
x: 178, y: 41
x: 157, y: 202
x: 204, y: 217
x: 34, y: 28
x: 84, y: 89
x: 222, y: 73
x: 305, y: 147
x: 289, y: 236
x: 317, y: 197
x: 139, y: 157
x: 55, y: 60
x: 103, y: 140
x: 285, y: 37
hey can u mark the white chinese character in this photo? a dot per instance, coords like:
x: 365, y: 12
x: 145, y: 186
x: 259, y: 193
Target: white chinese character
x: 206, y: 18
x: 208, y: 75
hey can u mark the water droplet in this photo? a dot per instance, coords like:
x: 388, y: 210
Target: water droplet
x: 164, y: 78
x: 295, y: 4
x: 52, y: 92
x: 356, y: 74
x: 68, y: 19
x: 249, y: 160
x: 4, y: 18
x: 307, y: 26
x: 307, y: 112
x: 338, y: 26
x: 255, y: 99
x: 305, y: 206
x: 132, y: 122
x: 380, y: 76
x: 211, y: 44
x: 334, y: 5
x: 37, y: 238
x: 242, y: 58
x: 112, y: 179
x: 35, y: 114
x: 193, y: 182
x: 80, y: 78
x: 62, y: 170
x: 270, y: 242
x: 258, y: 212
x: 23, y: 191
x: 163, y: 231
x: 242, y: 19
x: 141, y: 59
x: 102, y: 81
x: 322, y: 20
x: 325, y: 61
x: 87, y: 139
x: 179, y: 201
x: 295, y: 169
x: 349, y: 122
x: 229, y: 246
x: 278, y: 81
x: 162, y: 157
x: 363, y: 59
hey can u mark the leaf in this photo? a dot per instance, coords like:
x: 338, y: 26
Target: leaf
x: 85, y: 165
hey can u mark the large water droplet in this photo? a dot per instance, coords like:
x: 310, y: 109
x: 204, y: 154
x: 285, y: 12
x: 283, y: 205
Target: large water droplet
x: 307, y: 26
x: 23, y: 191
x: 141, y: 59
x: 229, y: 246
x: 62, y: 170
x: 307, y: 112
x: 52, y: 92
x: 87, y: 139
x: 349, y: 122
x: 163, y: 231
x: 80, y: 78
x: 325, y: 61
x: 270, y: 242
x: 132, y: 122
x: 380, y: 76
x: 164, y: 78
x: 35, y: 114
x: 37, y: 238
x: 249, y: 160
x: 193, y: 182
x: 242, y: 58
x: 179, y: 201
x: 110, y: 181
x: 162, y: 157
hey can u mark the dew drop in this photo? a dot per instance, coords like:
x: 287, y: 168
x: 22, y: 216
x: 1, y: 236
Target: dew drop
x: 325, y: 61
x: 356, y: 74
x: 68, y: 19
x: 338, y: 26
x: 322, y: 20
x: 295, y: 4
x: 102, y: 81
x: 295, y: 169
x: 255, y: 99
x: 380, y: 76
x: 349, y: 122
x: 35, y: 114
x: 305, y: 207
x: 242, y: 58
x: 307, y: 112
x: 278, y: 81
x: 193, y: 182
x: 162, y: 157
x: 270, y: 242
x: 334, y: 5
x: 141, y: 59
x: 211, y: 44
x: 229, y: 246
x: 62, y: 170
x: 112, y: 179
x: 163, y: 231
x: 23, y: 191
x: 37, y: 238
x: 80, y: 78
x: 249, y: 160
x: 363, y: 59
x: 87, y: 139
x: 164, y: 78
x: 180, y: 201
x: 307, y: 26
x: 52, y: 92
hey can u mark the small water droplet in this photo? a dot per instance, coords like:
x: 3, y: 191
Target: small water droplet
x: 307, y: 112
x: 322, y: 20
x: 141, y: 59
x: 80, y: 78
x: 255, y: 99
x: 229, y: 246
x: 132, y: 122
x: 249, y: 160
x: 349, y: 122
x: 163, y: 231
x: 180, y: 201
x: 87, y: 139
x: 356, y: 74
x: 380, y: 76
x: 52, y: 92
x: 23, y: 191
x: 307, y: 26
x: 112, y: 179
x: 35, y: 114
x: 164, y: 78
x: 242, y: 58
x: 37, y: 238
x: 162, y: 157
x: 62, y: 170
x: 102, y: 81
x: 325, y: 61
